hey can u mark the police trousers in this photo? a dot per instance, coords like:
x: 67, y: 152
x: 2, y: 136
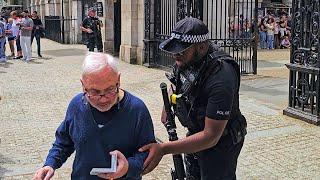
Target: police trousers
x: 218, y: 162
x: 95, y: 41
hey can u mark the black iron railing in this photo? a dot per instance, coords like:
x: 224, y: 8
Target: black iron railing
x: 304, y: 66
x: 226, y: 21
x: 61, y: 29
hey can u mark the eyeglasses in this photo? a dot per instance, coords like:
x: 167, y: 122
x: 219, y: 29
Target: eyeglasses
x: 182, y: 53
x: 97, y: 94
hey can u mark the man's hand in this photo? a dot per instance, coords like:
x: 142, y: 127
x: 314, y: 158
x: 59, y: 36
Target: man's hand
x: 155, y: 155
x: 89, y: 31
x: 44, y: 173
x: 122, y: 167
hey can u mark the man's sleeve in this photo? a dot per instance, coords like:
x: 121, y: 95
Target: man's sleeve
x: 221, y: 93
x: 85, y: 23
x: 144, y: 135
x: 63, y: 146
x: 31, y: 23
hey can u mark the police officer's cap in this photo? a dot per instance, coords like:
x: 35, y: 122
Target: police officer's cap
x: 93, y: 9
x: 186, y: 32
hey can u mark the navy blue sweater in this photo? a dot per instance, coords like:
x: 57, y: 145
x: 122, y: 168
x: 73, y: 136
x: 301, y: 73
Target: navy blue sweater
x: 126, y: 129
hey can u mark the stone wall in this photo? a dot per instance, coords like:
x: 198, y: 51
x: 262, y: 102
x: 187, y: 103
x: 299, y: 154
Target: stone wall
x: 140, y: 31
x: 108, y: 39
x: 132, y: 28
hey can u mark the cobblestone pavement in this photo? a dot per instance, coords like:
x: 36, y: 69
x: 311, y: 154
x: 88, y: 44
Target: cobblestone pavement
x: 35, y: 96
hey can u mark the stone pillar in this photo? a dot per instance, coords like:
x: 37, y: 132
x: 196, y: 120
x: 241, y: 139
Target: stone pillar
x: 50, y: 8
x: 31, y: 5
x: 57, y: 8
x: 76, y: 13
x: 37, y: 8
x: 42, y: 11
x: 140, y: 31
x: 129, y: 31
x: 66, y: 21
x: 103, y: 19
x: 108, y: 40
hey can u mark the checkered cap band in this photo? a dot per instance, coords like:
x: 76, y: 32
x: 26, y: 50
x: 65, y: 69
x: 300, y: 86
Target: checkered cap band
x: 190, y: 38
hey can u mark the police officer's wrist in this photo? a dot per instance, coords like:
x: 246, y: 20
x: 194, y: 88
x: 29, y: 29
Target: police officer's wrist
x: 163, y: 148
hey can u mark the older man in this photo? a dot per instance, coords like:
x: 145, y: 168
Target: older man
x: 102, y: 120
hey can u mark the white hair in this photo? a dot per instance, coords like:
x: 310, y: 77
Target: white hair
x: 95, y: 62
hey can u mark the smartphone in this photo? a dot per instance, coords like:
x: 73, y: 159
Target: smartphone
x: 113, y: 167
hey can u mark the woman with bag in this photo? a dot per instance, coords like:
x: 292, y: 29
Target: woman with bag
x: 37, y: 31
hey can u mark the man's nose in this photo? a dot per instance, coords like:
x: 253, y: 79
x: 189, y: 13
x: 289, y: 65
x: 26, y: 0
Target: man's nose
x: 103, y: 99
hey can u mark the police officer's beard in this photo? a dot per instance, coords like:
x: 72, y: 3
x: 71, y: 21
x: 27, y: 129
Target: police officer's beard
x: 197, y: 57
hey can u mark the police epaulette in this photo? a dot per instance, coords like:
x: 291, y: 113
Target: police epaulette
x: 219, y: 54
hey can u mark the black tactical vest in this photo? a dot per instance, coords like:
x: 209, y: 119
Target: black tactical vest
x: 188, y: 84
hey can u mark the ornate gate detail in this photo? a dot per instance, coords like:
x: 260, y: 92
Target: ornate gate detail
x: 304, y: 66
x: 230, y: 23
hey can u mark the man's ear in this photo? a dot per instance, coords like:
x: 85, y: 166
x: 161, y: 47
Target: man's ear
x: 83, y: 88
x: 119, y: 75
x: 203, y: 47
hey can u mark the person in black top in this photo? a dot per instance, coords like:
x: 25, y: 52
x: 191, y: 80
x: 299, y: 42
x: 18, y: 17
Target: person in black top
x: 37, y: 31
x: 91, y: 26
x: 206, y: 83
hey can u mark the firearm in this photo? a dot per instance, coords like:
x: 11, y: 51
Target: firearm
x: 178, y: 173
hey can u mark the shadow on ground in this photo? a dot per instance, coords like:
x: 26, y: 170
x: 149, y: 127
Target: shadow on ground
x: 65, y: 52
x: 35, y: 62
x: 6, y: 64
x: 45, y: 58
x: 4, y: 160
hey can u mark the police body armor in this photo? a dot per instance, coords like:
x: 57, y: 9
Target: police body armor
x: 188, y: 84
x: 94, y: 25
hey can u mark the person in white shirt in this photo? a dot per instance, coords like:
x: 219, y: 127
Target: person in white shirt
x: 26, y: 27
x: 16, y: 33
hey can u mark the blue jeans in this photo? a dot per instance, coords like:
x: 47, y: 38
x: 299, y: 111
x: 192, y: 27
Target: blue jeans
x: 270, y: 39
x: 2, y: 53
x: 263, y: 40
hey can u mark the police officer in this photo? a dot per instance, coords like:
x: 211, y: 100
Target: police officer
x: 206, y: 83
x: 91, y: 26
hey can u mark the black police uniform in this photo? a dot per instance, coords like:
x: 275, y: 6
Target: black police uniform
x: 207, y: 88
x: 93, y: 39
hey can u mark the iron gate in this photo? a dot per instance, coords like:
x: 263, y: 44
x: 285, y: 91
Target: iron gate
x: 53, y: 28
x: 60, y: 29
x: 230, y: 23
x: 304, y: 66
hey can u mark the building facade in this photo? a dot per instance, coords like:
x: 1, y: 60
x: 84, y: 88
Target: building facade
x: 124, y: 22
